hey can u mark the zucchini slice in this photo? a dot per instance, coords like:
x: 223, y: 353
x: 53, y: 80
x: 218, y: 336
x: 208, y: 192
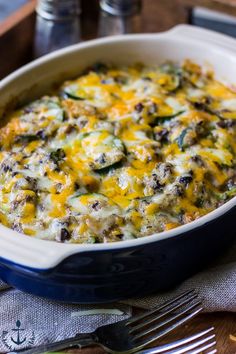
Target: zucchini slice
x: 74, y: 92
x: 93, y: 203
x: 50, y: 106
x: 106, y: 170
x: 181, y: 138
x: 102, y: 149
x: 165, y: 118
x: 228, y: 194
x: 222, y: 114
x: 45, y: 103
x: 26, y: 138
x: 67, y: 94
x: 5, y: 208
x: 174, y: 73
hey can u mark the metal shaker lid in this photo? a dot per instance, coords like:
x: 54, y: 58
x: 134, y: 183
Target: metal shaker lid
x: 58, y: 10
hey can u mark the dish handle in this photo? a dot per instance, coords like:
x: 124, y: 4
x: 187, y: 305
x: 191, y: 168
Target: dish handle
x: 34, y: 254
x: 203, y: 35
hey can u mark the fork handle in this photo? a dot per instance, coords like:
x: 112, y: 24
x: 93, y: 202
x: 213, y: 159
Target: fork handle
x: 79, y: 341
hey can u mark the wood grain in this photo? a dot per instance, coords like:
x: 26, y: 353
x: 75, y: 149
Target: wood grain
x: 162, y: 14
x: 224, y: 323
x: 16, y: 38
x: 17, y: 17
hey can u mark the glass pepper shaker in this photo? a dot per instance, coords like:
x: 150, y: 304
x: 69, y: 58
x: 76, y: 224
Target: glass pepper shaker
x: 57, y: 25
x: 119, y: 17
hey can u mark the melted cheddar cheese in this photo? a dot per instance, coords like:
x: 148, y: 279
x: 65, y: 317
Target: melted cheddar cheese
x: 119, y: 153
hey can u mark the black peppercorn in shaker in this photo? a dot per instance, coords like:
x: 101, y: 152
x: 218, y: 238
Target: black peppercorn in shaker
x: 57, y: 25
x: 119, y: 17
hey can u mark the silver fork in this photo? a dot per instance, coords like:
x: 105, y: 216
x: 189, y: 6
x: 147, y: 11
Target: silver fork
x: 194, y: 344
x: 134, y: 334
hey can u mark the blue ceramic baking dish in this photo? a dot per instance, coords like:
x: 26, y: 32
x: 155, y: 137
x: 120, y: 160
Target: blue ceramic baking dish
x: 99, y: 273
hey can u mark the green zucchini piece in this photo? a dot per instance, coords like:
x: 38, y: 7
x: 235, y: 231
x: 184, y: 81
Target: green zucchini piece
x: 222, y: 114
x: 75, y: 92
x: 46, y: 102
x: 170, y: 68
x: 57, y: 156
x: 4, y: 208
x: 51, y: 106
x: 175, y: 74
x: 199, y: 202
x: 228, y: 194
x: 93, y: 239
x: 26, y: 138
x: 78, y: 194
x: 88, y: 203
x: 165, y: 118
x: 206, y: 108
x: 99, y: 67
x: 147, y: 198
x: 67, y: 94
x: 180, y: 139
x: 106, y: 170
x: 102, y: 149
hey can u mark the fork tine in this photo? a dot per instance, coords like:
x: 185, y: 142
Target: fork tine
x: 165, y: 331
x: 212, y: 351
x: 179, y: 343
x: 162, y: 314
x: 201, y: 349
x: 195, y: 345
x: 166, y: 321
x: 134, y: 319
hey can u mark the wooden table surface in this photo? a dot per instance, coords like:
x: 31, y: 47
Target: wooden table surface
x: 224, y: 323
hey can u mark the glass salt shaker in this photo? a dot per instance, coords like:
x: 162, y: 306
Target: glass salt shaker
x: 57, y: 25
x: 119, y: 17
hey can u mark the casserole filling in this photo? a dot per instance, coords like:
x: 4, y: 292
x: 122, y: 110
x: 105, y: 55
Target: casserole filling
x: 119, y: 153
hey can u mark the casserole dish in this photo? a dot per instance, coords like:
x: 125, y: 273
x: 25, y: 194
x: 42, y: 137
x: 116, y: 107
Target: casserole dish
x: 90, y: 273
